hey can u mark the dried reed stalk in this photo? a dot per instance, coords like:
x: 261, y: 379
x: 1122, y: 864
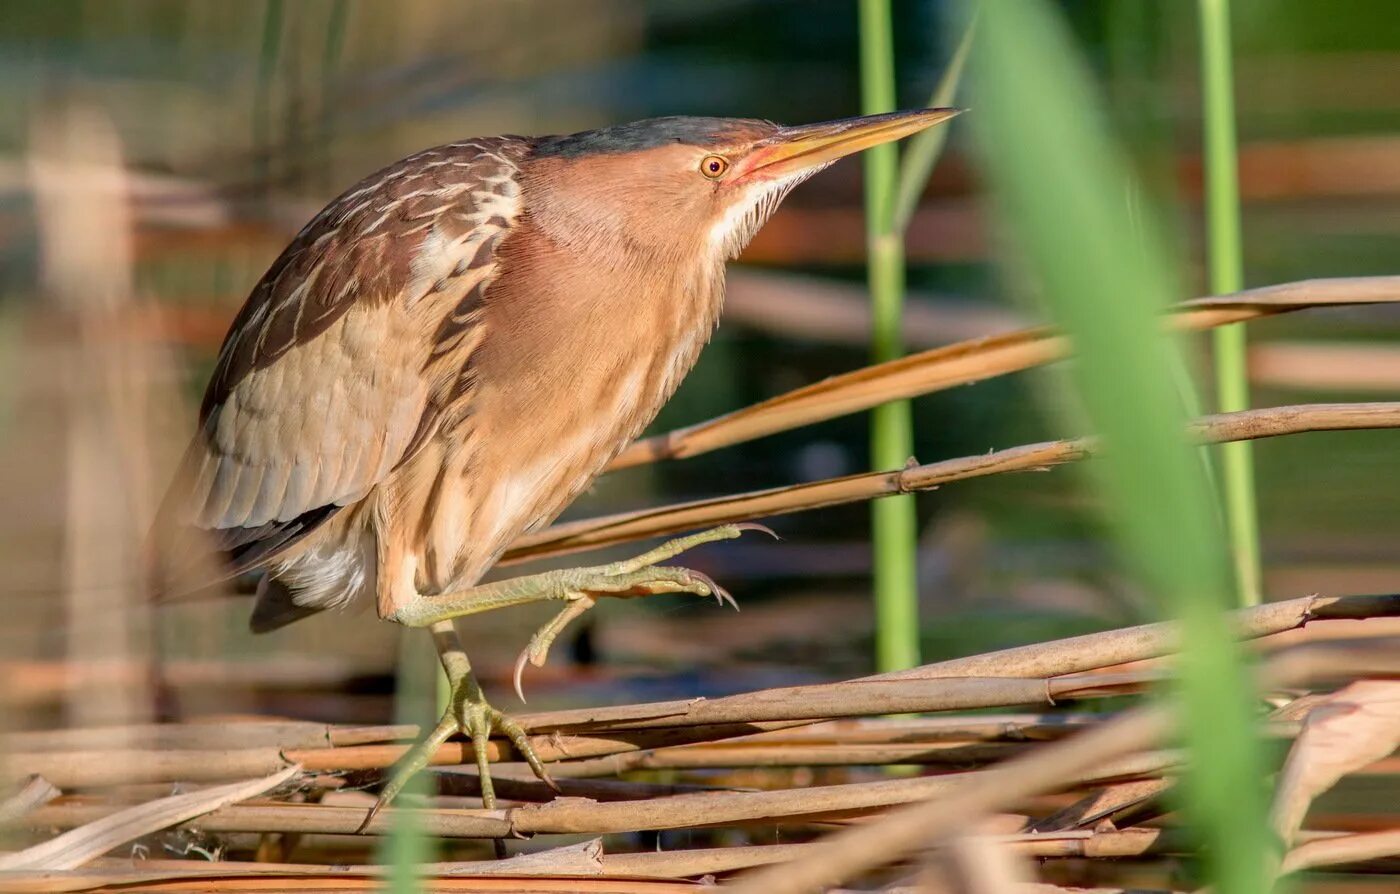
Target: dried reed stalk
x: 573, y: 861
x: 610, y: 530
x: 902, y: 830
x: 694, y: 757
x: 333, y: 880
x: 91, y: 839
x: 1029, y: 674
x: 33, y: 792
x: 1339, y: 849
x: 198, y: 736
x: 579, y: 815
x: 1076, y: 654
x: 975, y: 360
x: 1102, y: 804
x: 738, y: 714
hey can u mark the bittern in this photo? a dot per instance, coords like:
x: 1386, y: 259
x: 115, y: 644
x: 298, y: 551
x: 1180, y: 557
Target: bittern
x: 453, y: 349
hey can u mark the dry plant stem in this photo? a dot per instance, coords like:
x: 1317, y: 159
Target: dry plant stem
x: 611, y: 530
x: 695, y: 757
x: 339, y: 883
x: 872, y: 696
x: 682, y: 722
x: 1342, y: 849
x: 574, y: 860
x: 115, y: 828
x: 514, y: 786
x: 738, y: 715
x: 975, y: 360
x: 1344, y: 732
x: 1112, y: 647
x: 126, y: 767
x: 1102, y: 804
x: 905, y: 829
x: 578, y: 815
x: 234, y: 735
x: 706, y: 861
x: 244, y: 733
x: 36, y: 791
x: 901, y: 831
x: 974, y: 863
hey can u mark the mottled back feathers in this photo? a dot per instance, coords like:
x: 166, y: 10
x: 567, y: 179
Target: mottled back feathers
x: 349, y: 352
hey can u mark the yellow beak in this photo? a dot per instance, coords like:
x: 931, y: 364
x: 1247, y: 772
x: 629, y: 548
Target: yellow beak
x: 795, y: 149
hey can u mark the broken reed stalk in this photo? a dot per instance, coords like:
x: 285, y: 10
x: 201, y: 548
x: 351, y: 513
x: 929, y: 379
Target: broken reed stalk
x: 610, y: 530
x: 1105, y: 803
x: 978, y: 359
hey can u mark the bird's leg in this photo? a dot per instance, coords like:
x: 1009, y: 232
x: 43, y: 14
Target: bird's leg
x: 640, y: 575
x: 579, y: 588
x: 467, y: 712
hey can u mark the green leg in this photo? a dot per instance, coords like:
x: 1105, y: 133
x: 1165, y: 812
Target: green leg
x: 467, y: 713
x: 638, y: 576
x: 579, y: 588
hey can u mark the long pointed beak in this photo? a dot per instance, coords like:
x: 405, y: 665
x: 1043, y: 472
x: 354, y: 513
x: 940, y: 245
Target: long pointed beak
x: 794, y: 149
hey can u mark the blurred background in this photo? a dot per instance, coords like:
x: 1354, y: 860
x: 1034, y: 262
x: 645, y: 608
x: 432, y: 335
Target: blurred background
x: 155, y: 156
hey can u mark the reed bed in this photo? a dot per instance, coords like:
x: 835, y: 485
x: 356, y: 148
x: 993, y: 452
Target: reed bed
x: 1060, y: 773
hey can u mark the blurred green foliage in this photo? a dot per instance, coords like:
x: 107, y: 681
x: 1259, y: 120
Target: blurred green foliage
x: 1059, y: 182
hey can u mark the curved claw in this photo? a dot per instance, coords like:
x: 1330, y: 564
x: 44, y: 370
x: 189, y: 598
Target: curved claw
x: 536, y: 651
x: 521, y: 740
x: 414, y: 760
x: 722, y: 596
x: 755, y: 526
x: 518, y: 673
x: 369, y: 817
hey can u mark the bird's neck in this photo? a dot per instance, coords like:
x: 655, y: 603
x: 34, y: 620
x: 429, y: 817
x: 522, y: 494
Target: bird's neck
x: 684, y: 280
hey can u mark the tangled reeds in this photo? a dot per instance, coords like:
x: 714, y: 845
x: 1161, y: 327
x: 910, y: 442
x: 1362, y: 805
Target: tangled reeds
x: 1110, y: 768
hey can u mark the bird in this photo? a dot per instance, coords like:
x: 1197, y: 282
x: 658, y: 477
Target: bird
x: 450, y: 352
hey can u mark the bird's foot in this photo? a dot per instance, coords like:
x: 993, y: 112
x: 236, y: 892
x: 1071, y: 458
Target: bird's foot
x: 470, y: 714
x: 638, y: 576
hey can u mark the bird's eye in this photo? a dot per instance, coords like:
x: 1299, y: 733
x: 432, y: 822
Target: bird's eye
x: 713, y: 166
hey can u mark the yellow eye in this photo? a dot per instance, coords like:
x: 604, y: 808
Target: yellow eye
x: 713, y: 166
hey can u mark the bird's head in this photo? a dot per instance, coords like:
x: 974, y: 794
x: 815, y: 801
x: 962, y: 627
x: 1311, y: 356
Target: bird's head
x: 698, y: 188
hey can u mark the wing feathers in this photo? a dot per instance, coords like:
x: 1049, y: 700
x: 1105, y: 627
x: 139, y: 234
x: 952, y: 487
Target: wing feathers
x: 340, y: 361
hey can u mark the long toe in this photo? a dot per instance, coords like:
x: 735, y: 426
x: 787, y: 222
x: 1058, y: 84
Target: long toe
x: 414, y: 760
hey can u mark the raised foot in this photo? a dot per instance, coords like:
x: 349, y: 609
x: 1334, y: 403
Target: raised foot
x: 470, y: 714
x: 641, y: 575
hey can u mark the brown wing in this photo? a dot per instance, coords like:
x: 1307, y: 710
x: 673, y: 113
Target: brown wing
x: 327, y: 380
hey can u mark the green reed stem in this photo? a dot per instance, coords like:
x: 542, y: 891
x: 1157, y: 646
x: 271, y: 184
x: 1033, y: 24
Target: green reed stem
x: 923, y: 149
x: 408, y: 846
x: 1222, y: 206
x: 894, y: 526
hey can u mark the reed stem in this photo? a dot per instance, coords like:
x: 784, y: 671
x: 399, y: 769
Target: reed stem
x: 1222, y: 208
x: 893, y: 521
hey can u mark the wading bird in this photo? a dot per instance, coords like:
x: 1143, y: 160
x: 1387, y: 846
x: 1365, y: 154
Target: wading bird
x: 451, y: 351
